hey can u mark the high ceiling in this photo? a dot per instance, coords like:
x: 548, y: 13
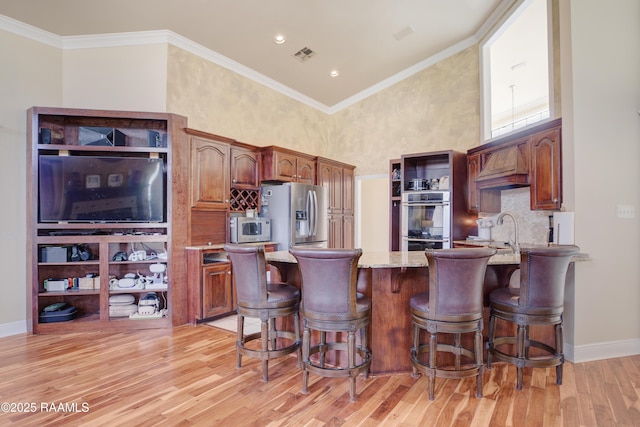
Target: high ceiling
x: 372, y: 43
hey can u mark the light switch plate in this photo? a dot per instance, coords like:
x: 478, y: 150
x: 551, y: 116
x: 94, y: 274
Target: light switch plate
x: 625, y: 211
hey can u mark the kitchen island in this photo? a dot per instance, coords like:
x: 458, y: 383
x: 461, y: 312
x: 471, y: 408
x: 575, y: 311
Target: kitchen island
x: 390, y: 279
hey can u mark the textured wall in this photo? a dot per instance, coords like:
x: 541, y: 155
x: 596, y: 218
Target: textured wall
x: 219, y: 101
x: 436, y: 109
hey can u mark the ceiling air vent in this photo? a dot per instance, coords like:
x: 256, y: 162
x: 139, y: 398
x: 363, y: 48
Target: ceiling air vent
x: 304, y: 54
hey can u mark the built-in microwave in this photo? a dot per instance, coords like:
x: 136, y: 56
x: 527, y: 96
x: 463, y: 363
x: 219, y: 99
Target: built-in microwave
x: 246, y: 230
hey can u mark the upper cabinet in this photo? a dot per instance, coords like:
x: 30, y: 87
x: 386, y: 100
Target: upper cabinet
x: 245, y: 168
x: 209, y: 166
x: 280, y: 164
x: 546, y: 170
x: 530, y: 157
x: 209, y: 184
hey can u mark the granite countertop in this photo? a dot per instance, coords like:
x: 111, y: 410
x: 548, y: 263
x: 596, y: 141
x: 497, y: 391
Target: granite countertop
x: 393, y: 259
x: 221, y: 245
x: 405, y: 259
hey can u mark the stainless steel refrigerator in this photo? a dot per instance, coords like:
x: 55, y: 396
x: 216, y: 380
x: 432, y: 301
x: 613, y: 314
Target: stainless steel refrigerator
x: 298, y: 214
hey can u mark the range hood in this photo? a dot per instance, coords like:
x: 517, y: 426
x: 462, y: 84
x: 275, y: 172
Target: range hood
x: 506, y: 167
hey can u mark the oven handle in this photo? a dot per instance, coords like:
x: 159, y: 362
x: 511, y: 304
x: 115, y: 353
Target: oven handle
x: 425, y: 204
x: 416, y: 239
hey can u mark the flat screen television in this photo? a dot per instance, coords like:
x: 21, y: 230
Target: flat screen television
x: 101, y: 189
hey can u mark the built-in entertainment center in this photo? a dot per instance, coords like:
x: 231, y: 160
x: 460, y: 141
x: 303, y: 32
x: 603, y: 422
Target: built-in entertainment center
x: 105, y: 236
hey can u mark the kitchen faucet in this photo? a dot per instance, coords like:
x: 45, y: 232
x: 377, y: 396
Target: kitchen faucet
x: 515, y: 245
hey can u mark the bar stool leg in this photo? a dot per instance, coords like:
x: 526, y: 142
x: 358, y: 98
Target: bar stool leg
x: 264, y: 338
x: 306, y: 346
x: 415, y: 349
x: 491, y: 338
x: 433, y: 345
x: 520, y: 344
x: 479, y: 363
x: 351, y: 354
x: 559, y: 350
x: 239, y: 339
x: 365, y: 345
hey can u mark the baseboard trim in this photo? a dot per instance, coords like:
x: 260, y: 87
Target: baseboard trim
x: 13, y: 328
x: 602, y: 350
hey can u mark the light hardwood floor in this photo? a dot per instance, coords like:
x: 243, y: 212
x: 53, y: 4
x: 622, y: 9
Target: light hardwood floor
x: 186, y: 376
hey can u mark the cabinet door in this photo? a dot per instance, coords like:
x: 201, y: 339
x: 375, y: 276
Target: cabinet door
x: 245, y: 168
x: 336, y: 193
x: 546, y: 185
x: 217, y: 294
x: 285, y: 167
x: 348, y: 182
x: 473, y: 169
x: 306, y: 170
x: 335, y: 231
x: 348, y: 239
x: 209, y: 173
x: 324, y: 177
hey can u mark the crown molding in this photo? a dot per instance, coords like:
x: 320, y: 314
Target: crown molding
x: 30, y: 32
x: 169, y: 37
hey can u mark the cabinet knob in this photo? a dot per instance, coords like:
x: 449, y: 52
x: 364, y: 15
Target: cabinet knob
x: 555, y: 200
x: 229, y: 272
x: 233, y: 180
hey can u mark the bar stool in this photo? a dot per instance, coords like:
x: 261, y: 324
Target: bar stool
x: 538, y: 301
x: 331, y: 303
x: 453, y: 305
x: 266, y: 301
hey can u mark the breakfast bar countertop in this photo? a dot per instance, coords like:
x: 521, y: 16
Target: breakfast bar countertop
x: 405, y: 259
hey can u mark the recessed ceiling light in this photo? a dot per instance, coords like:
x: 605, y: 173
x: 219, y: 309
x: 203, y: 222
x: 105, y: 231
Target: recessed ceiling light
x: 334, y: 73
x: 279, y: 38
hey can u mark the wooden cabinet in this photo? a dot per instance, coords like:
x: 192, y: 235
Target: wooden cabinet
x: 545, y: 172
x: 217, y: 295
x: 209, y: 171
x: 245, y: 168
x: 527, y: 158
x: 245, y: 178
x: 338, y: 179
x: 473, y: 169
x: 209, y: 182
x: 89, y: 249
x: 210, y: 284
x: 424, y: 167
x: 280, y: 164
x: 485, y: 200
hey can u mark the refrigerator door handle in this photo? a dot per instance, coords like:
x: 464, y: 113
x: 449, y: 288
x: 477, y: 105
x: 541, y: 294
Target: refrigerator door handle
x: 315, y: 213
x: 309, y: 208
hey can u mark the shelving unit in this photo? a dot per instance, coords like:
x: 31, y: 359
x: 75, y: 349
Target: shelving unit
x: 425, y: 167
x: 82, y: 249
x: 395, y: 191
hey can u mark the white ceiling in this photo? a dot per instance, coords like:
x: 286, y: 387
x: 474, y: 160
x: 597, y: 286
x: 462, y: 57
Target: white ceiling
x: 360, y: 38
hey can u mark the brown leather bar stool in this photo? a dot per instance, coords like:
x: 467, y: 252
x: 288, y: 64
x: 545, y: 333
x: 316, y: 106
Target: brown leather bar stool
x: 538, y: 301
x: 331, y: 303
x: 266, y: 301
x: 453, y: 305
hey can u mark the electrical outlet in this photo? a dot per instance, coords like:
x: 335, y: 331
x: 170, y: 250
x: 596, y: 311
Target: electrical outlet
x: 625, y: 211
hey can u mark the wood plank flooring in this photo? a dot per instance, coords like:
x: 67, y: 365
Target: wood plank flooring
x: 186, y: 376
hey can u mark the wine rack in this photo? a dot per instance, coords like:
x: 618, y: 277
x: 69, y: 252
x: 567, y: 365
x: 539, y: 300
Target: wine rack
x: 241, y: 200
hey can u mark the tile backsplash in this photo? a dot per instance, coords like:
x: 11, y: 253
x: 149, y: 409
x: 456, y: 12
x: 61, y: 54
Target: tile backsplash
x: 533, y: 225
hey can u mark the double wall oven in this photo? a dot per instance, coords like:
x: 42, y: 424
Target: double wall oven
x: 426, y: 220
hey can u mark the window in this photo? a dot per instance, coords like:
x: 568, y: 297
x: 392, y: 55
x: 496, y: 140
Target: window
x: 515, y: 69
